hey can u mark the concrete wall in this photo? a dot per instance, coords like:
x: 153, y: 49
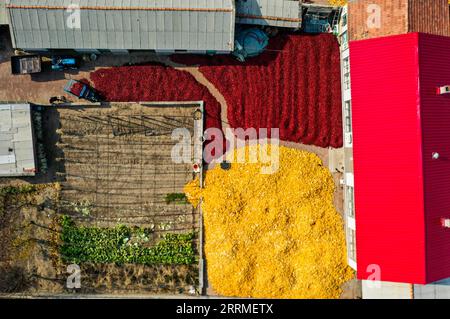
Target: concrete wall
x: 438, y: 290
x: 386, y: 290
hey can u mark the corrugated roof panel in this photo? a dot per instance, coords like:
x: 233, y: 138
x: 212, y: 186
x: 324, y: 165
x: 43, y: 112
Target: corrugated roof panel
x: 159, y: 21
x: 43, y: 28
x: 210, y: 23
x: 284, y: 13
x: 85, y: 29
x: 176, y: 22
x: 160, y: 40
x: 135, y: 30
x: 26, y: 22
x: 128, y: 25
x: 185, y: 39
x: 170, y: 41
x: 193, y: 39
x: 100, y: 18
x: 145, y: 39
x: 70, y: 39
x: 3, y: 15
x: 151, y: 21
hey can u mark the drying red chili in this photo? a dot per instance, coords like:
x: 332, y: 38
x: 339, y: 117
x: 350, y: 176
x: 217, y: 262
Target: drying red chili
x: 294, y: 86
x: 155, y: 83
x: 76, y: 88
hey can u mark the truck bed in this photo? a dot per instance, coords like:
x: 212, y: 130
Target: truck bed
x: 26, y: 64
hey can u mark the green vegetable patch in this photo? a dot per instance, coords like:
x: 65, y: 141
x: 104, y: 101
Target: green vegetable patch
x: 123, y: 245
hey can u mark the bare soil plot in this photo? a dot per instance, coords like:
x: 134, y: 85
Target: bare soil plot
x: 119, y: 161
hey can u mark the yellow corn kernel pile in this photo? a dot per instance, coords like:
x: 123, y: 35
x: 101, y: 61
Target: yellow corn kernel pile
x: 337, y: 2
x: 273, y: 236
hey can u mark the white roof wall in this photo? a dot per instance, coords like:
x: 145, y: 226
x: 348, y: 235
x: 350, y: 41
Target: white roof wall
x: 16, y: 140
x: 191, y: 25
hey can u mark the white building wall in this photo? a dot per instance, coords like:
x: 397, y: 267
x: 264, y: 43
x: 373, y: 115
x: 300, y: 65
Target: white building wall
x: 349, y: 207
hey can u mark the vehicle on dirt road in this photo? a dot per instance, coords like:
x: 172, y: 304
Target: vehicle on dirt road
x: 61, y: 63
x: 33, y: 63
x: 26, y: 64
x: 82, y: 91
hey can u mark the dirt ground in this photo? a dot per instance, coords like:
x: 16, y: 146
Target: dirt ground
x: 118, y: 159
x: 75, y: 158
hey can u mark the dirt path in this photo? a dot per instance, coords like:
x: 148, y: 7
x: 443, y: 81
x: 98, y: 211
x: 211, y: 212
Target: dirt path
x: 200, y: 78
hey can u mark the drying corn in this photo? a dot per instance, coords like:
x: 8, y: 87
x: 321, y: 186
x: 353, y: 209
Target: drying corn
x: 273, y: 236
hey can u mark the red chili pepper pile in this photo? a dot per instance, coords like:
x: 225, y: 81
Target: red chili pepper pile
x: 155, y: 83
x: 294, y: 86
x: 76, y: 88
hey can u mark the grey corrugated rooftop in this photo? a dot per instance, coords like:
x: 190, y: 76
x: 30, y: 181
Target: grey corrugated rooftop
x: 194, y: 25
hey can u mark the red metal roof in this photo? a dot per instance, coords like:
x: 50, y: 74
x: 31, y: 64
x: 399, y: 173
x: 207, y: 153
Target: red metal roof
x: 401, y: 193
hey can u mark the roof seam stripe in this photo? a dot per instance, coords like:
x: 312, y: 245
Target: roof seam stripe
x: 120, y: 8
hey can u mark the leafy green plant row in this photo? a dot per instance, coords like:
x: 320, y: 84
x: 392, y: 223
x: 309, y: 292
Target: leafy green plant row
x: 123, y: 245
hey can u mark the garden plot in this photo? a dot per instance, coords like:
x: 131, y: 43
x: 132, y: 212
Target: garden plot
x: 116, y: 166
x: 31, y: 249
x: 116, y: 208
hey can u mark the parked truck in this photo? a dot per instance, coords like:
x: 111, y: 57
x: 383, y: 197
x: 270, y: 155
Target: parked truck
x: 32, y: 63
x: 26, y: 64
x: 82, y: 91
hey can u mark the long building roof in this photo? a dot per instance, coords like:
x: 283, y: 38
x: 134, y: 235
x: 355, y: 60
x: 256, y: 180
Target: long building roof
x: 193, y: 25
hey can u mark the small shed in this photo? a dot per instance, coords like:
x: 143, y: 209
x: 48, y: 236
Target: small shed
x: 17, y: 156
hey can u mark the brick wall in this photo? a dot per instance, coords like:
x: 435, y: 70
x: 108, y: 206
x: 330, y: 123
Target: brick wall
x: 398, y: 17
x: 393, y: 18
x: 429, y: 16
